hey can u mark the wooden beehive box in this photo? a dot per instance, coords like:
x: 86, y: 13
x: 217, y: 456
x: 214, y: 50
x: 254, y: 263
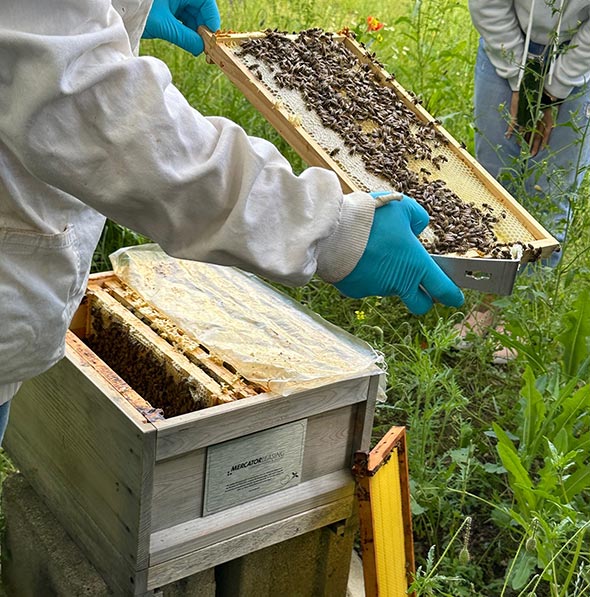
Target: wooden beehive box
x: 338, y: 108
x: 156, y: 491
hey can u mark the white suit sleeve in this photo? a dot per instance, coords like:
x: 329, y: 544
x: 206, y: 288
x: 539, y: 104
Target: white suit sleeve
x: 497, y: 23
x: 571, y: 66
x: 85, y: 115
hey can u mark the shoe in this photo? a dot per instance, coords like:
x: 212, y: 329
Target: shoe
x: 504, y: 354
x: 477, y: 322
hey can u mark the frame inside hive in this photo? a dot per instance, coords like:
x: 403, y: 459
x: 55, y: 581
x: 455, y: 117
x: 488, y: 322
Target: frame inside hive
x: 170, y: 373
x: 448, y: 161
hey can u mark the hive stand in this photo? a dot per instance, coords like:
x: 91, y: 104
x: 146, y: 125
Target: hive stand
x: 40, y: 559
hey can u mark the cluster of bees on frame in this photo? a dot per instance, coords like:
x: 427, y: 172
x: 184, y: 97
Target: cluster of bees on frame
x: 138, y: 365
x: 373, y: 123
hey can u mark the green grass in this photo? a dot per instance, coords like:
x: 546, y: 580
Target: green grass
x: 471, y: 424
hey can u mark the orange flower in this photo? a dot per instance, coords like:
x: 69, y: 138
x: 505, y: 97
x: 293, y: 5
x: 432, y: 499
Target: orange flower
x: 373, y: 24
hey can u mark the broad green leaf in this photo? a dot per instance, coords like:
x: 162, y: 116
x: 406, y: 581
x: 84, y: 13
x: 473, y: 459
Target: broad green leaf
x: 576, y: 333
x: 520, y: 482
x: 533, y: 413
x: 403, y: 21
x: 553, y: 451
x: 577, y: 482
x: 583, y: 447
x: 561, y: 440
x: 573, y: 406
x: 503, y: 438
x: 523, y: 569
x: 460, y: 455
x: 416, y: 508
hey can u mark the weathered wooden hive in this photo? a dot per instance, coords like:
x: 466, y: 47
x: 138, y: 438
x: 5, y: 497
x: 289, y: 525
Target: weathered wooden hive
x: 161, y: 458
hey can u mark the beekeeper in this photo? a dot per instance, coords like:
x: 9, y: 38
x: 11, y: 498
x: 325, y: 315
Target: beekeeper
x: 518, y: 39
x: 90, y: 130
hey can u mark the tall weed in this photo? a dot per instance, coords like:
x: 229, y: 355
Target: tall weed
x: 434, y: 58
x: 547, y: 458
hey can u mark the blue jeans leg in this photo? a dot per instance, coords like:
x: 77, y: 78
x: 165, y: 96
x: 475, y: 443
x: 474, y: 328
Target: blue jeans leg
x: 4, y: 413
x: 547, y: 182
x: 492, y: 97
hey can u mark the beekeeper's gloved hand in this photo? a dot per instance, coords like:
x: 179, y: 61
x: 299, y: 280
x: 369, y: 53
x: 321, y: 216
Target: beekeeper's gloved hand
x: 177, y: 21
x: 396, y: 263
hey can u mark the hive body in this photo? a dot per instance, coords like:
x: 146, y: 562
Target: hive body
x: 129, y: 479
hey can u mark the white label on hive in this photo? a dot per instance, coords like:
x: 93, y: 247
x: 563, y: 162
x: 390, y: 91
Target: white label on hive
x: 252, y: 466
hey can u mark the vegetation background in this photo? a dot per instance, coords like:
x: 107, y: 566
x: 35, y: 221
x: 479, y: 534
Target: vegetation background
x: 499, y: 454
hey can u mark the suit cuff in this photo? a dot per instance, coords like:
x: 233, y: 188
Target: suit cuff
x: 339, y: 253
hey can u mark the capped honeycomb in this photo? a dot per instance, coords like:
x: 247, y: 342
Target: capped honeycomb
x: 172, y: 373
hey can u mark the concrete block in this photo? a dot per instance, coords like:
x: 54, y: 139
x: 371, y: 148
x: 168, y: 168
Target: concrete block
x: 39, y: 559
x: 201, y: 584
x: 314, y: 564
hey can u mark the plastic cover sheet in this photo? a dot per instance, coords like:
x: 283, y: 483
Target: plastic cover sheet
x: 268, y: 337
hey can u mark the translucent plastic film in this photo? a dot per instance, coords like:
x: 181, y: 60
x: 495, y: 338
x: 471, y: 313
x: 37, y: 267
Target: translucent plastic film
x: 266, y: 336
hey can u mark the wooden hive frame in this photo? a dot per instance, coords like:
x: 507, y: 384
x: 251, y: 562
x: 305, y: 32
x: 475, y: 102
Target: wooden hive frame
x: 494, y: 275
x: 386, y: 537
x: 215, y: 381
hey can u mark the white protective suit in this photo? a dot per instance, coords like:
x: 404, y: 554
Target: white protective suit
x: 506, y: 25
x: 88, y: 130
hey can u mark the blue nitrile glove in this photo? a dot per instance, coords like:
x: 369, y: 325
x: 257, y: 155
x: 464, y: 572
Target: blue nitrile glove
x: 396, y: 263
x: 177, y: 21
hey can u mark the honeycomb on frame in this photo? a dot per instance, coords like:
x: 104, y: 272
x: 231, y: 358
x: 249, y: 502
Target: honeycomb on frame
x: 335, y: 104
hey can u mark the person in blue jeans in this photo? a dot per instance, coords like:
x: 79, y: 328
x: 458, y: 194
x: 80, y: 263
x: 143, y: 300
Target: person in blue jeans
x: 543, y: 165
x: 527, y: 46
